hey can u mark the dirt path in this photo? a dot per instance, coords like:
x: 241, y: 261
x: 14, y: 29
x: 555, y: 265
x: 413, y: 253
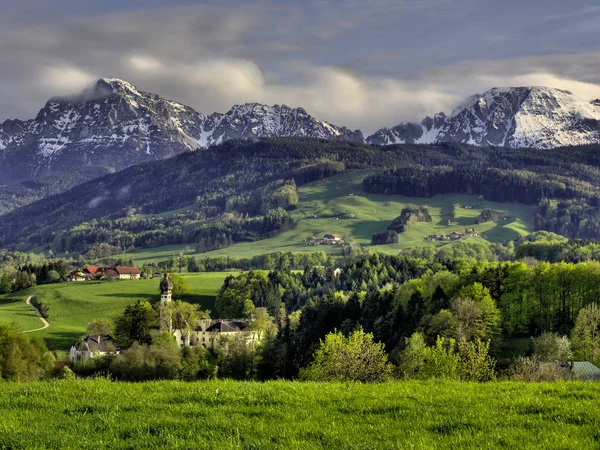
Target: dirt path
x: 37, y: 311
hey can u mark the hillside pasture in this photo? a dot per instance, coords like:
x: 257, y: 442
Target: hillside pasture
x: 72, y: 306
x: 339, y: 205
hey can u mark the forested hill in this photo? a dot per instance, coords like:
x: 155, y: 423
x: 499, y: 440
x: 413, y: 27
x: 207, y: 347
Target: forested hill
x: 211, y: 181
x: 227, y: 187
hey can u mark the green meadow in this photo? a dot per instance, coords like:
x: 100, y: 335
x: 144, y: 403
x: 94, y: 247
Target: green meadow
x: 327, y: 206
x: 73, y: 305
x: 436, y: 414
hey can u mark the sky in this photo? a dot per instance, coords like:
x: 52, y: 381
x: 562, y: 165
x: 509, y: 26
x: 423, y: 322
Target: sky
x: 361, y: 64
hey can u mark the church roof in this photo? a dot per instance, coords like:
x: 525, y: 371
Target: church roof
x: 97, y: 343
x: 166, y: 284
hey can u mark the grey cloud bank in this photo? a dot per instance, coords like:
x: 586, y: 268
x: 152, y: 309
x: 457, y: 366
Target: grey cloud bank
x: 358, y: 64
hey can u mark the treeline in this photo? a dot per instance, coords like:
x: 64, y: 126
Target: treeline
x: 13, y: 279
x: 268, y: 261
x: 489, y: 215
x: 395, y: 297
x: 188, y: 228
x: 566, y: 202
x: 408, y: 216
x: 501, y: 185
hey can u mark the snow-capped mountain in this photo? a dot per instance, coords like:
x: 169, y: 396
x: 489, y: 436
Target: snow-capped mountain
x: 114, y: 124
x: 537, y: 117
x: 410, y: 133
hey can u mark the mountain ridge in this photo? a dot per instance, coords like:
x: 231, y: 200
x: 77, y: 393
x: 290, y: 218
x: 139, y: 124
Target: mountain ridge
x: 114, y: 124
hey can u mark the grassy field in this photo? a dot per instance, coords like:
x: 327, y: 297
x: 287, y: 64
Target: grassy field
x: 325, y: 207
x: 74, y: 305
x: 292, y: 415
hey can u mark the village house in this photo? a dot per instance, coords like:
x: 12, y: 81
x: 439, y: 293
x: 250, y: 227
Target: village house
x: 91, y: 273
x: 332, y: 239
x: 128, y: 273
x: 77, y: 276
x: 93, y: 347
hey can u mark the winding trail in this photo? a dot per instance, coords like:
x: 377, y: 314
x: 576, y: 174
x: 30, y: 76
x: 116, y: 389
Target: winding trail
x: 37, y: 311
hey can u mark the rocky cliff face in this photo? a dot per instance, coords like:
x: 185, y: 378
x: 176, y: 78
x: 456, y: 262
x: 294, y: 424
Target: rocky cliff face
x: 537, y: 117
x: 113, y: 124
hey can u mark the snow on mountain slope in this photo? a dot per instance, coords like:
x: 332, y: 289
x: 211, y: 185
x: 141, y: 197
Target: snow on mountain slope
x: 410, y: 133
x: 114, y: 124
x: 513, y: 117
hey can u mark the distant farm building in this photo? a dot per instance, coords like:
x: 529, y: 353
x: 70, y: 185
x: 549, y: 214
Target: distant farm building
x: 92, y: 273
x: 128, y: 273
x: 585, y: 371
x: 209, y: 333
x: 332, y: 239
x: 77, y: 276
x: 93, y: 347
x: 328, y: 239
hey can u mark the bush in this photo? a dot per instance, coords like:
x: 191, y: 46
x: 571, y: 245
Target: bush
x: 552, y: 347
x: 475, y: 362
x: 352, y: 358
x: 22, y: 359
x: 160, y: 361
x: 533, y: 370
x: 66, y: 374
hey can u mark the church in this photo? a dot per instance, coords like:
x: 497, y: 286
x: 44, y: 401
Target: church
x: 210, y: 333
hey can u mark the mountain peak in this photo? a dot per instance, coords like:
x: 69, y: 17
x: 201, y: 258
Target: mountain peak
x: 115, y: 86
x: 522, y: 116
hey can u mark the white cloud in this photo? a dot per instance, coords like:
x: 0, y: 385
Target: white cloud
x: 211, y: 57
x: 63, y: 80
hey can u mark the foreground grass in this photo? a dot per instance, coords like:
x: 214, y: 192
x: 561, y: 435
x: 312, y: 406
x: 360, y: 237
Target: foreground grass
x: 236, y: 415
x: 72, y: 306
x: 326, y: 206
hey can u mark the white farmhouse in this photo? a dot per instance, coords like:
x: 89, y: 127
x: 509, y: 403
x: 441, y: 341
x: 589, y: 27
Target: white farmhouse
x: 93, y: 347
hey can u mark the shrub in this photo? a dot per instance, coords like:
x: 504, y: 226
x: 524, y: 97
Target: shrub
x: 475, y: 362
x: 352, y: 358
x: 552, y: 347
x: 532, y: 369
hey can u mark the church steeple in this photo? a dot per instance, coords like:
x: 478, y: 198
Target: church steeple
x: 166, y: 290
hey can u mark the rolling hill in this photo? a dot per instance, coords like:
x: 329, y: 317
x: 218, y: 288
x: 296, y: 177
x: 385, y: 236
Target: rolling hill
x: 72, y: 306
x: 338, y: 204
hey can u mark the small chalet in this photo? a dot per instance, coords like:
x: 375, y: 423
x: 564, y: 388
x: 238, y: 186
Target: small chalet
x: 128, y: 273
x: 332, y: 239
x: 93, y: 347
x: 210, y: 333
x: 77, y: 276
x: 93, y: 271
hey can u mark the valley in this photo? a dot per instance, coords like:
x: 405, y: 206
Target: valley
x: 338, y: 204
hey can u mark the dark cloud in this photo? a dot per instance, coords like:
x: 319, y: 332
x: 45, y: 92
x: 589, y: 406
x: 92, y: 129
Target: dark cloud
x: 355, y: 63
